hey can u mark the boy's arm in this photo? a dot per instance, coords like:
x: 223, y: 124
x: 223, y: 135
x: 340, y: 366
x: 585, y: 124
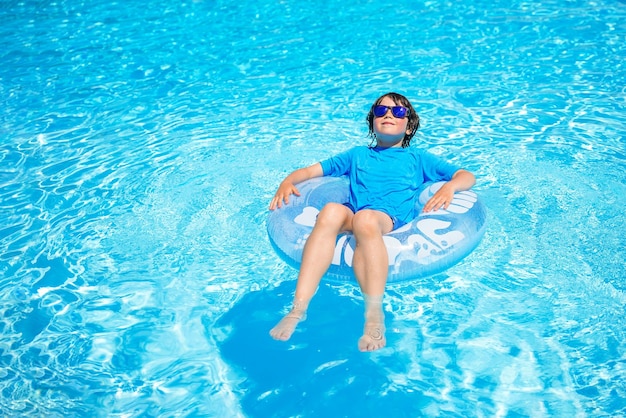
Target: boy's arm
x: 461, y: 180
x: 287, y: 187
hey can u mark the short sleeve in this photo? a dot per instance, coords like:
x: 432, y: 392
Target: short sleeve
x: 338, y: 165
x: 437, y: 169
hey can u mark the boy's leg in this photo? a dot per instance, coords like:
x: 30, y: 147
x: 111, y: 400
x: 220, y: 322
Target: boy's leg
x: 316, y: 258
x: 371, y: 265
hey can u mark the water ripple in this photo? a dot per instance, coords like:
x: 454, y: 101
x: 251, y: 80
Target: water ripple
x: 141, y: 146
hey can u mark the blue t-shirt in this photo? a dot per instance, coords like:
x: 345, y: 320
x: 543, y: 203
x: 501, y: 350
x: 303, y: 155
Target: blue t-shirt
x: 387, y: 179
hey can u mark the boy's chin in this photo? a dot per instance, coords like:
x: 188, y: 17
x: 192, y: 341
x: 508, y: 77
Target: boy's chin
x: 388, y: 140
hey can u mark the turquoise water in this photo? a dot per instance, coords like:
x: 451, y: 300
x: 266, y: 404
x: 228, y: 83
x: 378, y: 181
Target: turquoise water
x: 141, y: 142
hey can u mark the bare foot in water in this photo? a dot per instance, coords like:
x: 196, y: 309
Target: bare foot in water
x: 373, y: 337
x: 283, y: 330
x: 374, y: 330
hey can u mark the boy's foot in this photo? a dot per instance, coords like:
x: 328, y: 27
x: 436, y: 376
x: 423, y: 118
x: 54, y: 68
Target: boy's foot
x: 283, y: 330
x: 373, y: 337
x: 374, y: 331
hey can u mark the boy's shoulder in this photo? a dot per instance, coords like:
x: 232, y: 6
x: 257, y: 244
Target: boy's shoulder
x: 416, y: 149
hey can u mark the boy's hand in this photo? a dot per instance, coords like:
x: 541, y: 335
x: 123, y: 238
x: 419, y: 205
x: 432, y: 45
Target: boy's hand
x: 461, y: 180
x: 441, y: 199
x: 285, y: 190
x: 287, y: 187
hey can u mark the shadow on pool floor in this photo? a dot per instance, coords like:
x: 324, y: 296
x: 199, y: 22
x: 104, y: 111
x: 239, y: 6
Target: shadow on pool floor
x: 319, y: 371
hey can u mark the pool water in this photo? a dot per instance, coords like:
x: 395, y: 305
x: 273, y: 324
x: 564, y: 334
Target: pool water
x: 141, y: 143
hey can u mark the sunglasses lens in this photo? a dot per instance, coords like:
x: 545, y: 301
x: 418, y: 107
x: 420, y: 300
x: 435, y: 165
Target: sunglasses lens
x: 399, y: 111
x: 380, y: 110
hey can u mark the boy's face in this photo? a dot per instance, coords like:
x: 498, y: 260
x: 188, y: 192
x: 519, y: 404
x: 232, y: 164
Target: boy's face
x: 389, y: 129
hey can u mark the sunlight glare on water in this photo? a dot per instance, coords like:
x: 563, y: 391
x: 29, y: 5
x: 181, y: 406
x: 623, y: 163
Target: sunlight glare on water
x: 141, y: 143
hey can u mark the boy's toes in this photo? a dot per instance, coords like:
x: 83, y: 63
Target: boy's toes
x: 373, y: 338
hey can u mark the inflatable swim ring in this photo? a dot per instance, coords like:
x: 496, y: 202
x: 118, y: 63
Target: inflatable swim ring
x: 429, y: 244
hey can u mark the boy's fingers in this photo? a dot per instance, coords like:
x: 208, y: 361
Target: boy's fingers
x: 280, y: 198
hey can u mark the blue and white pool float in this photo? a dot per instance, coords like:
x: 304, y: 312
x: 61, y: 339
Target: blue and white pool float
x: 429, y: 244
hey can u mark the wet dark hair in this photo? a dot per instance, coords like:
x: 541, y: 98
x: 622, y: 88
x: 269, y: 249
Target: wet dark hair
x: 413, y: 123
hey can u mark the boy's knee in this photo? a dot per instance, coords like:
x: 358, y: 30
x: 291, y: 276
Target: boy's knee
x: 330, y: 210
x: 366, y: 221
x: 332, y: 214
